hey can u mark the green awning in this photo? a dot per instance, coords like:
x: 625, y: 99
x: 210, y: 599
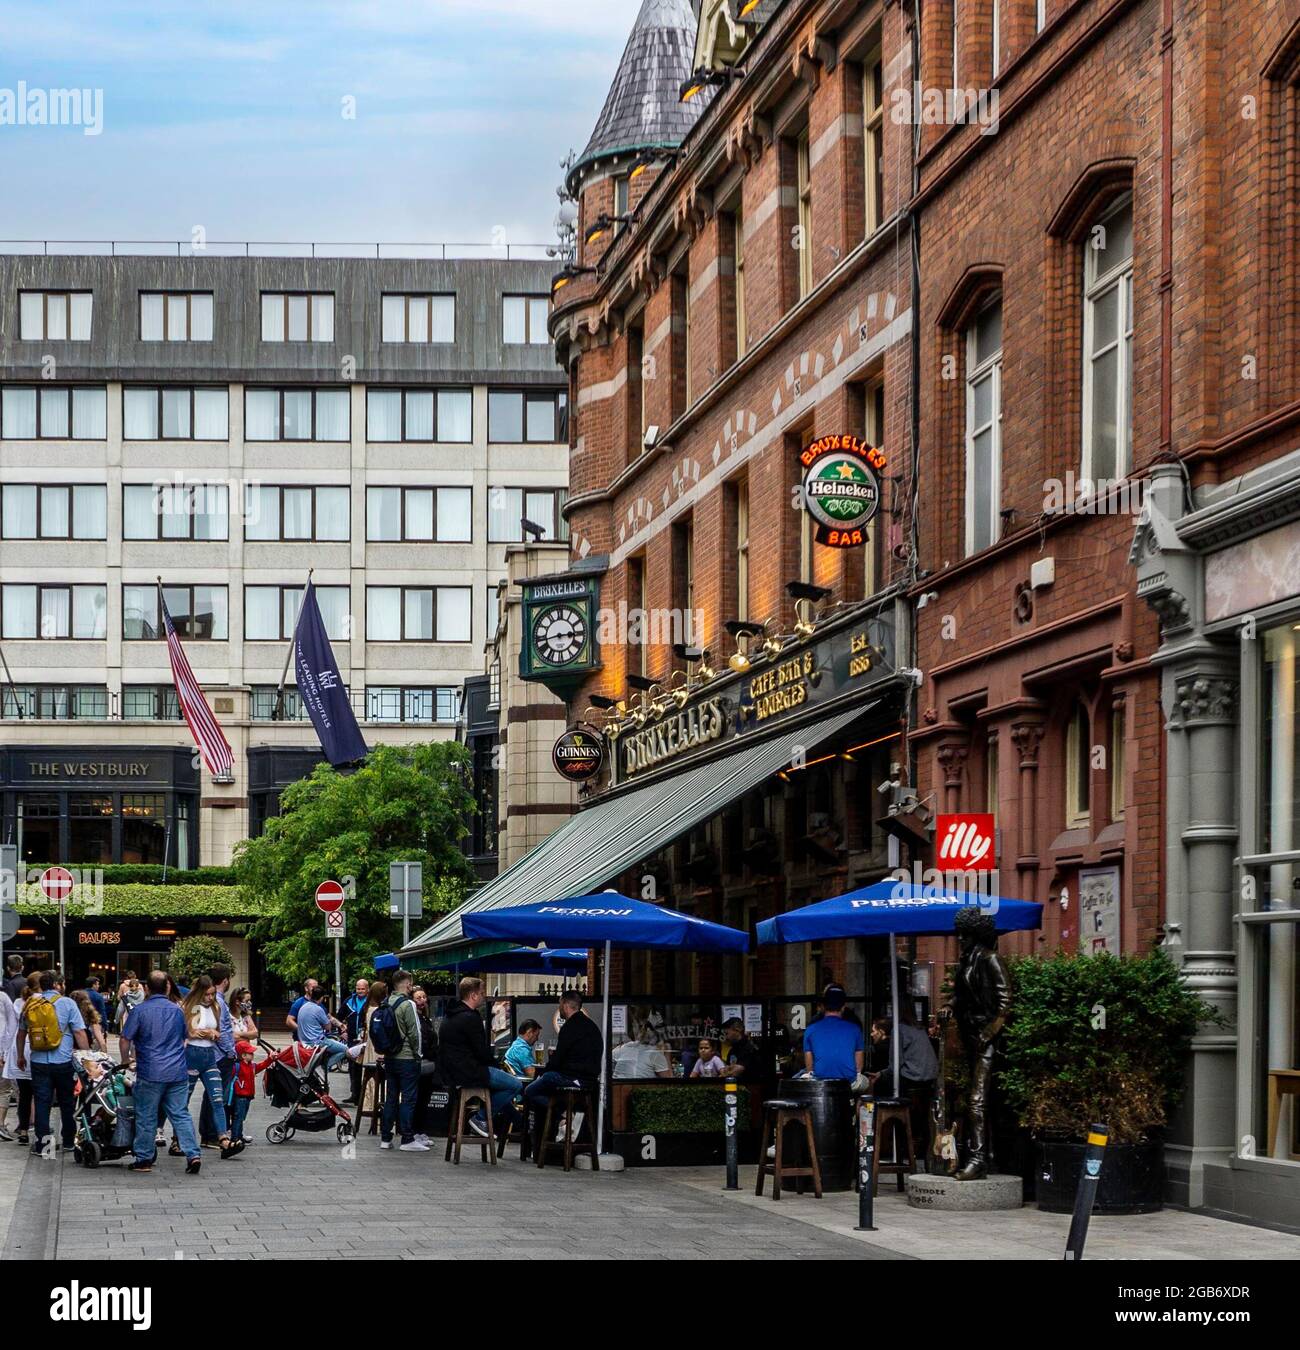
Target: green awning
x: 604, y: 840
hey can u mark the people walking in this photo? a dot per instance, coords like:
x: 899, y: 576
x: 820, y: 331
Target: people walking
x: 51, y: 1027
x: 97, y: 999
x: 94, y: 1023
x: 370, y: 1058
x: 21, y: 1074
x: 130, y: 994
x: 154, y: 1035
x: 395, y: 1031
x: 243, y: 1086
x: 15, y: 980
x: 354, y: 1034
x: 202, y: 1034
x: 219, y: 974
x: 8, y: 1032
x: 241, y: 1011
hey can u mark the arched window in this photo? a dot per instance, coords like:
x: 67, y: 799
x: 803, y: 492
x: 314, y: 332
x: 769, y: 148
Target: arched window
x: 984, y: 427
x: 1108, y: 345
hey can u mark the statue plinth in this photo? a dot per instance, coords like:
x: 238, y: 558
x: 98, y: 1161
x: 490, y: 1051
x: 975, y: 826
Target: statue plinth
x: 998, y: 1191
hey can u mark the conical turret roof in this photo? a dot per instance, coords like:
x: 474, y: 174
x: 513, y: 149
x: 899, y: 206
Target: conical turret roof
x: 643, y: 109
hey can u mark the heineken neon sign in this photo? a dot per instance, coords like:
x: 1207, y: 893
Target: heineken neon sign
x: 841, y: 488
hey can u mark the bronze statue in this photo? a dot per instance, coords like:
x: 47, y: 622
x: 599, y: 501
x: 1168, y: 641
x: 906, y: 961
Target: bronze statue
x: 981, y: 998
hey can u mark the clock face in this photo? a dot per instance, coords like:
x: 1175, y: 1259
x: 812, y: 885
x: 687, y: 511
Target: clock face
x: 559, y: 635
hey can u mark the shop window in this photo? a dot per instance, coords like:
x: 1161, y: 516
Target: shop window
x: 1276, y: 976
x: 1077, y: 769
x: 984, y: 427
x: 37, y: 827
x: 1108, y: 345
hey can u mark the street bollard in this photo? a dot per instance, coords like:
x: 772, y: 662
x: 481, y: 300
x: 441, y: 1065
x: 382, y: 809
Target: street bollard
x: 866, y: 1122
x: 730, y: 1109
x: 1084, y: 1198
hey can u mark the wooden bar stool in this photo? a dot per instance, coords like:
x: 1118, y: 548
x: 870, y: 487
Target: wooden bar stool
x: 487, y: 1146
x: 516, y: 1129
x: 573, y: 1096
x: 777, y: 1114
x: 372, y: 1077
x: 893, y: 1114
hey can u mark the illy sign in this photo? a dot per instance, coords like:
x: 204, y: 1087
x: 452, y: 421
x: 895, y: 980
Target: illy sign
x: 964, y: 843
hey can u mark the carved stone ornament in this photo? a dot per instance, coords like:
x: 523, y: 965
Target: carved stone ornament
x: 1173, y: 611
x: 952, y: 759
x: 1204, y: 698
x: 1027, y: 737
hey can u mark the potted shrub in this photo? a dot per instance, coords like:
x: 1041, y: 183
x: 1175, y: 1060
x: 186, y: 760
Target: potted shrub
x: 1099, y: 1039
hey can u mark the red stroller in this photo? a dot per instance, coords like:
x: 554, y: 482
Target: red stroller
x: 295, y: 1080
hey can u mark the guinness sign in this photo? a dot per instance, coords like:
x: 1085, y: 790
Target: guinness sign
x: 578, y: 755
x: 841, y: 488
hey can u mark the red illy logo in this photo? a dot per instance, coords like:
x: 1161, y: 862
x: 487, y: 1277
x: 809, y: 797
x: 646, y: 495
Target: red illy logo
x: 964, y: 843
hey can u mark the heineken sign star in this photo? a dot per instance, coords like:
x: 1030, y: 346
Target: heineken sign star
x: 841, y: 488
x: 578, y: 755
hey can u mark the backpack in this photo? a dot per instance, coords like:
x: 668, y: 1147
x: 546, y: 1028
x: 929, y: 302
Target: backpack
x: 385, y: 1034
x: 41, y: 1018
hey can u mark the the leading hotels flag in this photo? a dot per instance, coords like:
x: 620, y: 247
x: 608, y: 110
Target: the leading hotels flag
x: 320, y: 688
x: 203, y: 726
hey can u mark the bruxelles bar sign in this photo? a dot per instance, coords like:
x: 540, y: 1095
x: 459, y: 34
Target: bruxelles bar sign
x: 841, y: 488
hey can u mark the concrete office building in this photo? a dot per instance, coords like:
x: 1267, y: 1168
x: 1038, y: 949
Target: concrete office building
x: 227, y: 423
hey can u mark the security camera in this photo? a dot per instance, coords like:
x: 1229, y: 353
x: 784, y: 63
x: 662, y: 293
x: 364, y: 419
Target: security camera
x: 917, y: 677
x: 888, y: 786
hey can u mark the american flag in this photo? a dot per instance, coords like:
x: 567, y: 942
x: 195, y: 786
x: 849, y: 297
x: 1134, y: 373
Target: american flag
x: 203, y: 726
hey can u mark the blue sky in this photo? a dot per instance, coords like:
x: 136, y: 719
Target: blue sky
x: 230, y: 116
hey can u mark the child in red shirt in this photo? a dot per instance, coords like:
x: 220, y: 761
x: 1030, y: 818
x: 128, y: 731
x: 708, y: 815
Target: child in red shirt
x: 243, y: 1086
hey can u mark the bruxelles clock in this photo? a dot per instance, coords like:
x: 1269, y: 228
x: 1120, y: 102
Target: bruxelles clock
x: 559, y: 634
x: 559, y: 630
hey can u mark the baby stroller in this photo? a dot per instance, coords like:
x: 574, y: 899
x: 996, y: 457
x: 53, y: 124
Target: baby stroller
x: 103, y: 1113
x: 295, y: 1080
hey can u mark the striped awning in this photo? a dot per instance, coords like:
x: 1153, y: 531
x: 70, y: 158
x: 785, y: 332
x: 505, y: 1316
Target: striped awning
x: 606, y: 839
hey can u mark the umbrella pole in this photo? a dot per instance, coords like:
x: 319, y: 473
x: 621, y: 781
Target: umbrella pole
x: 604, y: 1053
x: 893, y: 994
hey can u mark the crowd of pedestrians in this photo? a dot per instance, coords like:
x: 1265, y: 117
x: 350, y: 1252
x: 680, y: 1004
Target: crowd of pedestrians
x: 177, y: 1042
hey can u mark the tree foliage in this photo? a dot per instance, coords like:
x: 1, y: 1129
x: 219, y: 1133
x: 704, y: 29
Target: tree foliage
x: 1098, y: 1039
x: 193, y: 956
x: 404, y: 803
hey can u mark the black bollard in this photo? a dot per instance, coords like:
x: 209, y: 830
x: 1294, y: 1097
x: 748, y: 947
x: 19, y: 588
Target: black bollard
x: 866, y: 1123
x: 730, y: 1110
x: 1084, y: 1198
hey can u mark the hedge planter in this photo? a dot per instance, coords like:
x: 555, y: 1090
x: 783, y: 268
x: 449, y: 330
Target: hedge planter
x: 1132, y: 1177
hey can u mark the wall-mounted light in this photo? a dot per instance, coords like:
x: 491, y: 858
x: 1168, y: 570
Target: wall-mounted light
x: 737, y: 629
x: 804, y: 593
x: 702, y: 79
x: 602, y: 224
x: 570, y: 273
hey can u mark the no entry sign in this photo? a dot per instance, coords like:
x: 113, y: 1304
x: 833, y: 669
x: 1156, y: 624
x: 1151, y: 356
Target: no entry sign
x: 329, y: 897
x: 56, y: 884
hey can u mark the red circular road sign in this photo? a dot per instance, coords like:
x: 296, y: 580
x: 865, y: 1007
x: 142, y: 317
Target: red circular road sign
x: 57, y: 883
x: 329, y: 897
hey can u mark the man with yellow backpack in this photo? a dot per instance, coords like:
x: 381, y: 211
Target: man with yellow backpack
x: 50, y: 1027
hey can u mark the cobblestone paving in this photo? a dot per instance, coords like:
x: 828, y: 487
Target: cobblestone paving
x: 309, y: 1196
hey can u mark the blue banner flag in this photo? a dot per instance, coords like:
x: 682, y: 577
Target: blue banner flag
x: 320, y: 688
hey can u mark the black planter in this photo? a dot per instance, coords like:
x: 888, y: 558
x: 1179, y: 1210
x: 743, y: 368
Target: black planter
x: 1132, y: 1177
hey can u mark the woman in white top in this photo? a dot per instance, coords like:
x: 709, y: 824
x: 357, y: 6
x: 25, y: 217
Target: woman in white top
x: 21, y: 1078
x: 201, y: 1060
x: 241, y: 1014
x: 8, y: 1033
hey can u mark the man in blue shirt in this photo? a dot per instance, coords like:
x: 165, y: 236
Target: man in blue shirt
x: 97, y: 1000
x: 291, y: 1021
x: 832, y: 1046
x: 226, y: 1057
x: 314, y: 1026
x: 53, y: 1077
x: 154, y: 1035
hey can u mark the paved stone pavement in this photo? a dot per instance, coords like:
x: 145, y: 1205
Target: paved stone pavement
x: 309, y: 1195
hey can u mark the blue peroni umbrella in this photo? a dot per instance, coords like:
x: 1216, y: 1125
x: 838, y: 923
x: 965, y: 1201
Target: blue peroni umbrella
x: 529, y: 961
x: 610, y: 918
x: 892, y: 907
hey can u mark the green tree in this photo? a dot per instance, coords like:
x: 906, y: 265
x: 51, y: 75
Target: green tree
x: 405, y: 803
x: 193, y: 956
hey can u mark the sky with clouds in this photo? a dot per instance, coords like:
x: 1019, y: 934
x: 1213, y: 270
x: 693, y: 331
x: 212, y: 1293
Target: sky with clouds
x: 231, y: 116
